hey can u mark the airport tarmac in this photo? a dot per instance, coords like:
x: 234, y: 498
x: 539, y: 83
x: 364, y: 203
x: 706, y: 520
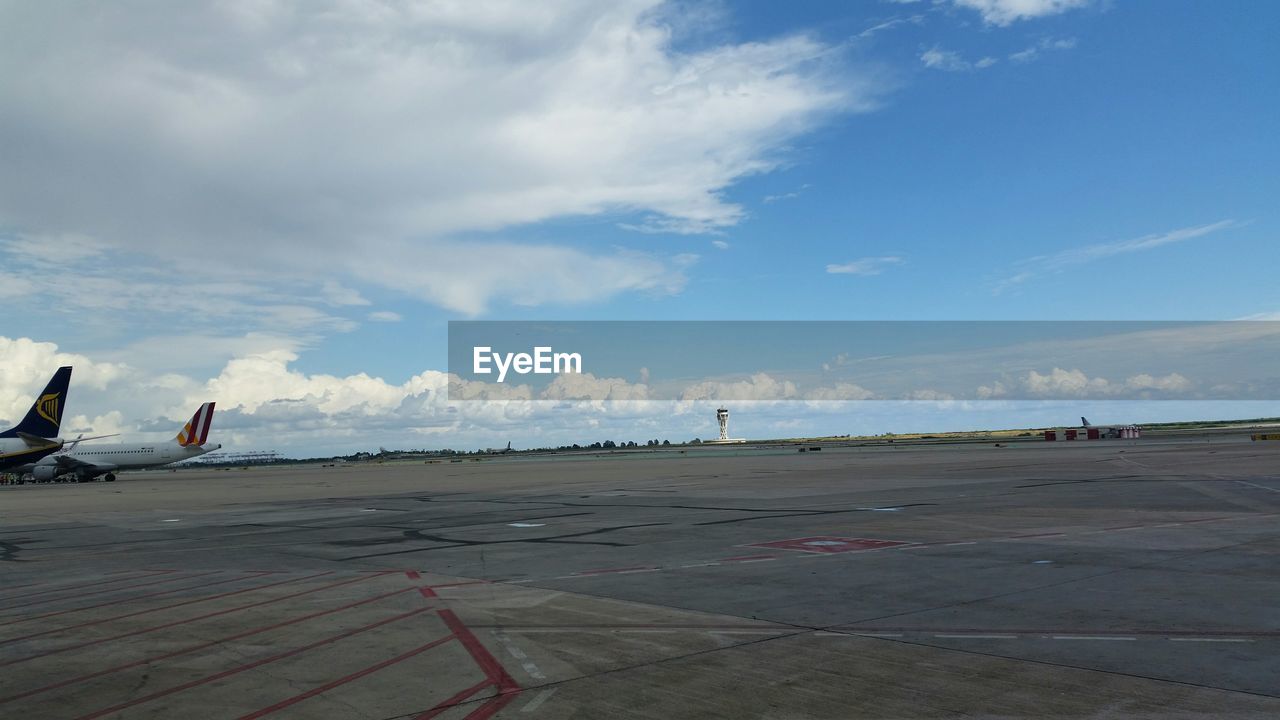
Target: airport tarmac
x: 1089, y: 579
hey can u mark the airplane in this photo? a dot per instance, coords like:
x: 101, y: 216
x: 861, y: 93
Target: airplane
x: 36, y: 437
x: 90, y: 461
x: 1104, y: 431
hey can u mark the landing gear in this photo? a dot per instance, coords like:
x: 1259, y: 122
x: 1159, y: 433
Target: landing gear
x: 109, y: 477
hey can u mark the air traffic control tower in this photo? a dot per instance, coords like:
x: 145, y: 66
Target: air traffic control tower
x: 722, y: 418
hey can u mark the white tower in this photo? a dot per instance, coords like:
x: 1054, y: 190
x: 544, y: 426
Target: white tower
x: 722, y: 417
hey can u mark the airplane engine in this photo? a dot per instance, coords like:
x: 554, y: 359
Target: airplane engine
x: 44, y: 473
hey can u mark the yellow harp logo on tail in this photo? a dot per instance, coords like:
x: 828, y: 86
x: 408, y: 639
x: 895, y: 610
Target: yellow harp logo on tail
x: 47, y: 407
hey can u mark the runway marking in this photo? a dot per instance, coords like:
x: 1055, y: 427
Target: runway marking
x: 538, y: 699
x: 255, y: 664
x: 1220, y: 640
x: 129, y: 599
x: 193, y: 601
x: 493, y: 670
x: 829, y: 544
x: 975, y: 636
x: 529, y: 666
x: 202, y: 646
x: 616, y: 571
x: 96, y: 592
x: 453, y: 700
x: 1092, y: 637
x: 346, y: 679
x: 184, y: 621
x: 748, y: 558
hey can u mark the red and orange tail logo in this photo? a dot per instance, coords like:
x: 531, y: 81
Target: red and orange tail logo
x: 196, y: 431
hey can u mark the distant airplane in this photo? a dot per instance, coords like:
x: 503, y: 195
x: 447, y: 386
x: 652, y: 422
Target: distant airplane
x: 499, y: 451
x: 37, y: 435
x: 1107, y: 431
x: 90, y: 461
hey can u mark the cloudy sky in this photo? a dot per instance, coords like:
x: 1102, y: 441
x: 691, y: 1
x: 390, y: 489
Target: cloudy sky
x: 279, y: 206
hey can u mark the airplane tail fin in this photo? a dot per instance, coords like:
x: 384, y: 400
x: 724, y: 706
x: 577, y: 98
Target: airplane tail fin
x: 196, y: 431
x: 1084, y: 421
x: 45, y: 415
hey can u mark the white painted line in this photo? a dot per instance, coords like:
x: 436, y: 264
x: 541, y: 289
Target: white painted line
x: 538, y: 700
x: 1260, y: 487
x: 173, y: 520
x: 525, y: 524
x: 911, y: 547
x: 1234, y: 640
x: 971, y: 542
x: 747, y: 632
x: 656, y: 631
x: 518, y: 654
x: 978, y: 637
x: 697, y: 565
x: 1091, y: 637
x: 855, y: 633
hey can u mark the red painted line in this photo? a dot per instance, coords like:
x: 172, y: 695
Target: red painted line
x: 345, y: 679
x: 616, y: 570
x: 176, y: 623
x: 202, y: 646
x: 121, y: 600
x: 148, y: 611
x: 1124, y: 527
x: 427, y: 593
x: 454, y: 700
x: 488, y: 663
x: 85, y: 585
x: 412, y: 574
x: 249, y: 666
x: 744, y: 558
x: 1036, y: 535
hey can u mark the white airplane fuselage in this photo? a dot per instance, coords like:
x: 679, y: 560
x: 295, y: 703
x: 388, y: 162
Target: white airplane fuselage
x: 125, y: 456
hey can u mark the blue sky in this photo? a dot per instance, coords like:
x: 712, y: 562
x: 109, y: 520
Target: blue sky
x: 301, y: 196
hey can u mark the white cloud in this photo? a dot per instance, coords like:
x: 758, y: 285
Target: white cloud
x: 1058, y: 262
x: 890, y: 24
x: 1006, y: 12
x: 585, y: 386
x: 840, y: 391
x: 26, y: 365
x: 865, y: 266
x: 1061, y: 383
x: 948, y: 60
x: 759, y: 386
x: 720, y: 244
x: 341, y: 140
x: 385, y: 316
x: 1033, y: 52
